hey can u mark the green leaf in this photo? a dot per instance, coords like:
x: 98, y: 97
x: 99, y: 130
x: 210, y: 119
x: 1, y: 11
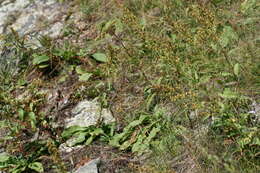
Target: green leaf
x: 89, y: 140
x: 4, y: 157
x: 236, y: 69
x: 18, y: 169
x: 43, y: 66
x: 101, y: 57
x: 118, y: 138
x: 152, y: 134
x: 21, y: 114
x: 115, y: 141
x: 79, y: 138
x: 85, y: 76
x: 140, y: 146
x: 38, y: 59
x: 97, y: 132
x: 36, y: 166
x: 150, y: 101
x: 71, y: 130
x: 127, y: 144
x: 32, y: 118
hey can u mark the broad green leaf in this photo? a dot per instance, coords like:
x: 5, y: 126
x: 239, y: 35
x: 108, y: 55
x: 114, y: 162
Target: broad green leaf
x: 130, y: 141
x: 126, y: 144
x: 21, y: 114
x: 71, y: 130
x: 140, y: 146
x: 138, y: 122
x: 18, y: 169
x: 256, y: 141
x: 101, y: 57
x: 97, y: 132
x: 89, y: 140
x: 36, y: 166
x: 38, y: 59
x: 43, y: 66
x: 32, y: 118
x: 236, y: 69
x: 85, y: 76
x: 115, y: 141
x: 4, y: 157
x: 78, y: 138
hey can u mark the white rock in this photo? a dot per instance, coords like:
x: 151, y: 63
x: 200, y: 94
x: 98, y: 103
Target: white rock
x: 88, y: 113
x: 90, y: 167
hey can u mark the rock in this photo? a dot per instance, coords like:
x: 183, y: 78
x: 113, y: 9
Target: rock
x: 90, y: 167
x: 30, y: 18
x: 26, y: 16
x: 88, y: 113
x: 255, y: 112
x: 65, y: 148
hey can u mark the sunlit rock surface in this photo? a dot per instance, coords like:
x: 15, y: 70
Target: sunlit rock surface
x: 32, y: 17
x: 88, y: 113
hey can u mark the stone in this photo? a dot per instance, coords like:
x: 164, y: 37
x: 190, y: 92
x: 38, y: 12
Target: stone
x: 255, y: 112
x: 26, y: 16
x: 89, y: 167
x: 65, y: 148
x: 88, y: 113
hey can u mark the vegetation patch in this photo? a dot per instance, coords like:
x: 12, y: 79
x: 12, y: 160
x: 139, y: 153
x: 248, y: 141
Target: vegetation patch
x: 180, y: 77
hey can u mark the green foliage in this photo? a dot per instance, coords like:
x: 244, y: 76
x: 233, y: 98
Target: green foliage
x: 87, y: 135
x: 138, y: 134
x: 41, y: 60
x: 100, y: 57
x: 196, y: 59
x: 19, y: 164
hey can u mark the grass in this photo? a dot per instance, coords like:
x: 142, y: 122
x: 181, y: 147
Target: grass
x: 195, y: 64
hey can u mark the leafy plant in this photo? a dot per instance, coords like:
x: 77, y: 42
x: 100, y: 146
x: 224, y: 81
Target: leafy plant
x: 19, y: 164
x: 42, y: 61
x: 100, y: 57
x: 83, y: 74
x: 87, y: 135
x: 137, y: 135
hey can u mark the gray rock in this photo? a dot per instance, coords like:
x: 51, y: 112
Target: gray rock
x: 90, y: 167
x: 65, y: 148
x: 26, y: 16
x: 255, y: 111
x: 30, y: 18
x: 88, y: 113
